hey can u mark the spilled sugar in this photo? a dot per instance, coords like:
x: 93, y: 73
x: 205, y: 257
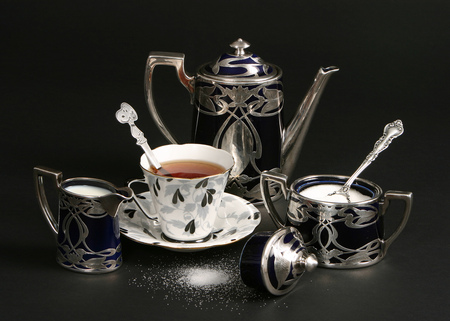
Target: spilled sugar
x: 204, y: 277
x: 209, y: 281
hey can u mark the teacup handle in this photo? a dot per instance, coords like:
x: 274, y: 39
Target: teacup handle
x: 136, y: 198
x: 167, y: 59
x: 389, y: 196
x: 281, y: 179
x: 38, y: 174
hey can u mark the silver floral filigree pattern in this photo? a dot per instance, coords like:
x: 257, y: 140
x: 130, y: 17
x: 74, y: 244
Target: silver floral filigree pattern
x: 328, y: 229
x: 241, y: 66
x: 84, y: 247
x: 237, y: 133
x: 285, y: 248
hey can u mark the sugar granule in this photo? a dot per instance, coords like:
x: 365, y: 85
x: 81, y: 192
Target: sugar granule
x: 204, y: 277
x: 202, y: 281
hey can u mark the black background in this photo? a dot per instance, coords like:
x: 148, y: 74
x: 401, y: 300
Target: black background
x: 67, y: 65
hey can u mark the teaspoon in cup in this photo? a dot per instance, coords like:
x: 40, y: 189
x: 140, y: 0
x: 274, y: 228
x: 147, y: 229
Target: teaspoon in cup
x: 127, y: 115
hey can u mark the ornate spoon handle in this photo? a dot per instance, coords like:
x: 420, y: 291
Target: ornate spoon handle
x: 127, y: 115
x: 391, y: 131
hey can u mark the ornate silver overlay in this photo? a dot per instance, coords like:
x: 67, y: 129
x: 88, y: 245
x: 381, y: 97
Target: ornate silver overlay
x: 323, y: 220
x: 237, y: 133
x: 342, y: 235
x: 284, y: 260
x: 244, y: 97
x: 74, y: 249
x: 86, y: 227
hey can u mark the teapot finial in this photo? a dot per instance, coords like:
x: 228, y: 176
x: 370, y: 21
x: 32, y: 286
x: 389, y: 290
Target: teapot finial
x: 240, y: 45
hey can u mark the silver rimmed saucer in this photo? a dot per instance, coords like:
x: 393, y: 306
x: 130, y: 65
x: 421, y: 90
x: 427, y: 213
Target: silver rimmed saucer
x: 236, y: 219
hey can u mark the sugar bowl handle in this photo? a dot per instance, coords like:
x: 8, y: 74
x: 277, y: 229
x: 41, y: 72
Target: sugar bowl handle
x: 281, y: 179
x: 38, y: 174
x: 166, y: 59
x: 405, y: 197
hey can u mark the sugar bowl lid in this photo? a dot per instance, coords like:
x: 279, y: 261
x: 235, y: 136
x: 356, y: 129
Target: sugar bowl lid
x: 240, y: 66
x: 274, y: 261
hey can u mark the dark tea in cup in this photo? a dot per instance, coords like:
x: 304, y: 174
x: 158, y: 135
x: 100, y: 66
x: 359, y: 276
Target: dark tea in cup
x: 187, y: 191
x: 188, y: 169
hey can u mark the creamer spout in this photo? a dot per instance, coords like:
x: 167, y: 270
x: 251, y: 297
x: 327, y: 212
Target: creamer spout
x: 111, y: 202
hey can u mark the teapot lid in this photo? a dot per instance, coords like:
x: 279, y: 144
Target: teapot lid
x: 240, y: 66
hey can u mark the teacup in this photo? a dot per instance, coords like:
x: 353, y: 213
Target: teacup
x: 341, y: 234
x: 186, y: 207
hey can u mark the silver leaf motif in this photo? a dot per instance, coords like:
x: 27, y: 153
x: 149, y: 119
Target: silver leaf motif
x: 237, y: 133
x: 238, y: 141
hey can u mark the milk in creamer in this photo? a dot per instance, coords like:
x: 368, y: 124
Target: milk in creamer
x: 88, y: 190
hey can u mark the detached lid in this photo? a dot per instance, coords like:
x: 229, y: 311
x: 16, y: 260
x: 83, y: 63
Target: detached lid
x: 240, y: 66
x: 275, y: 261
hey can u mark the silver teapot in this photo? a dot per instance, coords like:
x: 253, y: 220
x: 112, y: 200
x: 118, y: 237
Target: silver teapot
x: 239, y: 101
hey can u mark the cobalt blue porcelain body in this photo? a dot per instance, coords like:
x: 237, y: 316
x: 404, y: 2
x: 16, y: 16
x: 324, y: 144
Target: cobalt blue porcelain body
x: 341, y: 234
x: 239, y: 103
x: 88, y: 236
x: 250, y: 262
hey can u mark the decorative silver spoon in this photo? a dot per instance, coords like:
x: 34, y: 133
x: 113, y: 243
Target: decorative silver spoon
x: 127, y: 115
x: 391, y: 131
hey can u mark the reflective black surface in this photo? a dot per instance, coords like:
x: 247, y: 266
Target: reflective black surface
x: 67, y: 66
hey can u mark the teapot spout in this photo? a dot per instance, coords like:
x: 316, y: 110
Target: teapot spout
x: 295, y: 131
x: 112, y: 201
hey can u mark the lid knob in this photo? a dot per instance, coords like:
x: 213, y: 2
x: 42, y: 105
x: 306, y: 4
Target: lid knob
x: 309, y: 262
x: 240, y: 45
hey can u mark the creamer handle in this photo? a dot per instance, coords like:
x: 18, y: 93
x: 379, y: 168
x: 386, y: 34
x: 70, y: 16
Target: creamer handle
x: 167, y: 59
x: 38, y: 174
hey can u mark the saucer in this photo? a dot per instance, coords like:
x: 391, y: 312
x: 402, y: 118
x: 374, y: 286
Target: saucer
x: 236, y: 219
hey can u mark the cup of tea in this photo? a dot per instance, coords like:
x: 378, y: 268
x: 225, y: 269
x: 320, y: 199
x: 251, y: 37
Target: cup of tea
x: 342, y: 234
x: 187, y: 192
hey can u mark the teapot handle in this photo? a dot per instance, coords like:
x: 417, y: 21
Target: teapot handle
x: 167, y: 59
